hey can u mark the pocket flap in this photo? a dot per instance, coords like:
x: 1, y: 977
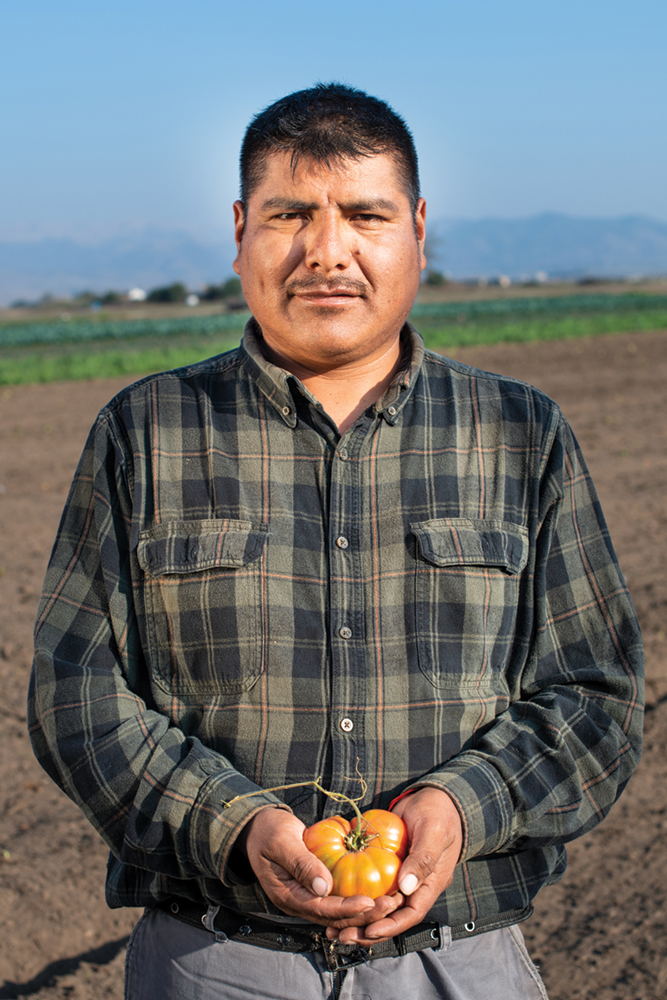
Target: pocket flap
x: 193, y: 546
x: 461, y: 541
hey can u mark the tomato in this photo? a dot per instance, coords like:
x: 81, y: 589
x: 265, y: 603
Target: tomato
x: 364, y: 859
x: 391, y: 831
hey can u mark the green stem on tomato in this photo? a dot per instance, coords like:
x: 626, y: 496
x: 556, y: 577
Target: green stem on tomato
x: 339, y: 797
x: 336, y: 796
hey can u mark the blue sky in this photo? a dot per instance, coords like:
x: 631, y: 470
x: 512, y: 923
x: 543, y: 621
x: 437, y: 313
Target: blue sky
x: 117, y: 116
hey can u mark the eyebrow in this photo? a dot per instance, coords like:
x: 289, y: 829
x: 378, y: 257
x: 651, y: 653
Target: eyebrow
x: 292, y: 205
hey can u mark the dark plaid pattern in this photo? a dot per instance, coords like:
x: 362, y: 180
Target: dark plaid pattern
x: 233, y: 584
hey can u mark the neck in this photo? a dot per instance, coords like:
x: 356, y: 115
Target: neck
x: 346, y: 391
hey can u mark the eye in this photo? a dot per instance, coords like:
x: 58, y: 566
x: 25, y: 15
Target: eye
x: 368, y: 218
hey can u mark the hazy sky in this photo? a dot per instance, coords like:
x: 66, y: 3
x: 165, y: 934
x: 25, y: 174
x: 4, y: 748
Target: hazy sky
x: 119, y: 115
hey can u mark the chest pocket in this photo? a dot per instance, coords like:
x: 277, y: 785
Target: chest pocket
x: 202, y: 588
x: 466, y: 592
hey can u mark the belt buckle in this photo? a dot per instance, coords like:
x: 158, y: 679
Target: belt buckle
x: 344, y: 956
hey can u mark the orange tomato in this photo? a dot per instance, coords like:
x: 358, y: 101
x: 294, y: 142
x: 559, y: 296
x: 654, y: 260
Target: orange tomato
x: 364, y: 859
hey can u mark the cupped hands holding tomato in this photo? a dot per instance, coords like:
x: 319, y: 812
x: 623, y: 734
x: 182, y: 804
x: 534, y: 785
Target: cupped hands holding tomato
x: 435, y: 837
x: 364, y: 855
x: 300, y: 882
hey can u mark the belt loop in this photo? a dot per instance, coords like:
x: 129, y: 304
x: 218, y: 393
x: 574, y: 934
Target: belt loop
x: 445, y: 937
x: 208, y: 920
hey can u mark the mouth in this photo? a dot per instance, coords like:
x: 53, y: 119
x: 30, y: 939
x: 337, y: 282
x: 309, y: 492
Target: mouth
x: 334, y: 298
x: 327, y: 295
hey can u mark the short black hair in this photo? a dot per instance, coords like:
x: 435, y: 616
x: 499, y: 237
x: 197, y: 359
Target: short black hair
x: 328, y: 122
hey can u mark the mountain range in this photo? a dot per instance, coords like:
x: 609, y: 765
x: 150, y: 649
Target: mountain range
x: 560, y: 245
x: 563, y: 246
x: 145, y: 259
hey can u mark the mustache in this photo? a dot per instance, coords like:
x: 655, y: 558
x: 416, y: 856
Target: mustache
x: 316, y: 284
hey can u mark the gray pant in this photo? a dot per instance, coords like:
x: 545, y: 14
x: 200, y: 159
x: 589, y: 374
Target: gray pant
x: 170, y: 960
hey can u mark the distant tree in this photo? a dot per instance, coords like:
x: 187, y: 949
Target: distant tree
x: 436, y: 278
x: 232, y: 286
x: 227, y: 289
x: 212, y: 293
x: 435, y: 246
x: 175, y: 292
x: 110, y: 298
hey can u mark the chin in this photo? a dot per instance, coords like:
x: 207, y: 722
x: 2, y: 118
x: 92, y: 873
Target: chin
x: 330, y: 312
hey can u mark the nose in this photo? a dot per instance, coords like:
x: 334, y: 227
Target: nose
x: 328, y: 244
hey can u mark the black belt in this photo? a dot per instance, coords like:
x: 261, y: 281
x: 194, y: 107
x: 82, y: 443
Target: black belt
x: 296, y: 938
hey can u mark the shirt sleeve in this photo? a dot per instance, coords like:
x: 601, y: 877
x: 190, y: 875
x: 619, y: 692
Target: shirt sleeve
x: 550, y: 767
x: 155, y: 794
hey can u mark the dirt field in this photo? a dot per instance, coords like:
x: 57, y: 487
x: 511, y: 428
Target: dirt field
x: 598, y: 935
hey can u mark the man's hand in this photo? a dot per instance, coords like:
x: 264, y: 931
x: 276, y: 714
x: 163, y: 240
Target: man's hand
x: 295, y: 880
x: 436, y: 837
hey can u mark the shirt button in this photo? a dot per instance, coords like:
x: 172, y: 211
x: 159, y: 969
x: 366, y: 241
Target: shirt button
x: 345, y: 632
x: 287, y: 410
x: 347, y: 725
x: 391, y: 411
x: 342, y: 453
x: 342, y: 542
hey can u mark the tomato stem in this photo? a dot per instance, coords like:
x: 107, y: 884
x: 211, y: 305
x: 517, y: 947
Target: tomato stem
x: 360, y: 828
x: 339, y: 797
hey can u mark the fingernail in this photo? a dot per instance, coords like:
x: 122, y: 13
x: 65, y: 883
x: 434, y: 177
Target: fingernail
x: 408, y: 884
x: 320, y: 888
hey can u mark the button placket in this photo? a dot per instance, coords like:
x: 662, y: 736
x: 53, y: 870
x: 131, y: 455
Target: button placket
x: 347, y: 606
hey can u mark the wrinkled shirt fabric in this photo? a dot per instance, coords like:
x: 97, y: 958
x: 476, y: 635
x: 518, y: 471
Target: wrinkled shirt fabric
x: 239, y: 597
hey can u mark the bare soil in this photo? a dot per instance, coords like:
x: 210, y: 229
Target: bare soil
x: 598, y: 935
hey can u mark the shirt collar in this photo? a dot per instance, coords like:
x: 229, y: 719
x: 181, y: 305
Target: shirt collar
x: 274, y: 382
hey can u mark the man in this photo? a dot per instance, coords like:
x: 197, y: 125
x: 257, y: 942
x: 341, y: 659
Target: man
x: 331, y: 553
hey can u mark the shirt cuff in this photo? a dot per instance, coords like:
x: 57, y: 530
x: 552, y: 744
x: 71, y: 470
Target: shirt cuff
x: 482, y: 800
x: 214, y: 826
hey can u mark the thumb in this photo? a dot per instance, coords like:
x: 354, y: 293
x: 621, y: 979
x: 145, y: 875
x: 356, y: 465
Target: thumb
x: 274, y: 843
x: 431, y: 850
x: 436, y: 838
x: 305, y: 868
x: 309, y: 871
x: 417, y: 867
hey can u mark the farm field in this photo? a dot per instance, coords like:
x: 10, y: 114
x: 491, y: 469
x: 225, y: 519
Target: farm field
x: 597, y: 935
x: 37, y: 346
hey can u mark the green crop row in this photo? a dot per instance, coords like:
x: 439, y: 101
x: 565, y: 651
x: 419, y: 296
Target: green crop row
x: 489, y: 311
x: 441, y: 336
x: 57, y: 363
x: 145, y: 354
x: 76, y: 331
x: 524, y: 308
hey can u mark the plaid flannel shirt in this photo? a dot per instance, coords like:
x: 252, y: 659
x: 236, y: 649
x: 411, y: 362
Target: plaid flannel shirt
x: 239, y: 597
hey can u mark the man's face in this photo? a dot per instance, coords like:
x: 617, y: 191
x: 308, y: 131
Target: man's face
x: 330, y: 258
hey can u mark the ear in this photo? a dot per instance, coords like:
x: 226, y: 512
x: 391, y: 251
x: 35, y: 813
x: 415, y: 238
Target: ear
x: 239, y: 225
x: 420, y: 230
